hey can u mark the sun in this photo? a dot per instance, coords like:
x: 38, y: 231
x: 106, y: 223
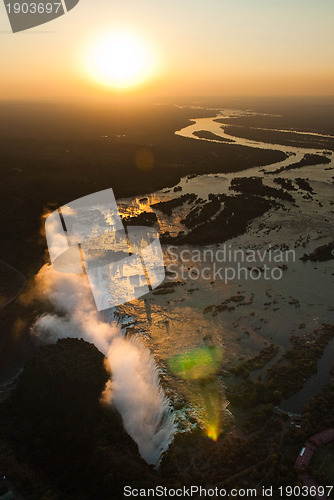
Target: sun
x: 120, y: 59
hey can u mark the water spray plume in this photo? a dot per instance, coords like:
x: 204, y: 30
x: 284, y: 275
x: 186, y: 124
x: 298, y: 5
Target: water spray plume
x: 134, y: 388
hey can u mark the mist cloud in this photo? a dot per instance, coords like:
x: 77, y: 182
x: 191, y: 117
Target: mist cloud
x: 134, y: 388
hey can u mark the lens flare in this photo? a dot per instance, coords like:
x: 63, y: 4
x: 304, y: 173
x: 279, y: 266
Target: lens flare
x: 197, y: 368
x: 196, y: 364
x: 213, y: 432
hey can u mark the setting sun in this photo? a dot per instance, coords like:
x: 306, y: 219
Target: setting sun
x: 120, y: 59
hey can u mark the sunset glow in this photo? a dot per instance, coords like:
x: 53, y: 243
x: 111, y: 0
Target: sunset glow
x: 119, y: 59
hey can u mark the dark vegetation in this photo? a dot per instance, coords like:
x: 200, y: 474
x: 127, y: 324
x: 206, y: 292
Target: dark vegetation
x: 167, y: 207
x: 277, y: 137
x: 285, y: 183
x: 227, y: 305
x: 319, y: 411
x: 143, y: 219
x: 223, y: 217
x: 10, y: 283
x: 288, y: 374
x: 309, y: 159
x: 233, y: 220
x: 303, y: 114
x: 202, y: 214
x: 320, y: 254
x: 319, y: 416
x: 303, y: 184
x: 58, y: 440
x: 205, y: 134
x: 255, y: 363
x: 255, y: 186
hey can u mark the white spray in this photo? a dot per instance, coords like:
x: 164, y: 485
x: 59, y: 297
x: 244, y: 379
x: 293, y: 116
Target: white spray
x: 134, y: 390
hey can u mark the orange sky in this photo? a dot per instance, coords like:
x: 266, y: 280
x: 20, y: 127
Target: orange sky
x: 216, y: 47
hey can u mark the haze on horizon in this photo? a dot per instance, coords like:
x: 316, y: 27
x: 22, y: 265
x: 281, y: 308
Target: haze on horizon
x: 257, y: 47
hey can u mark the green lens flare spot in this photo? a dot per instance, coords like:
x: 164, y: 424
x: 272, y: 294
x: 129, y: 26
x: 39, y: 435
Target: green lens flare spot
x: 196, y: 364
